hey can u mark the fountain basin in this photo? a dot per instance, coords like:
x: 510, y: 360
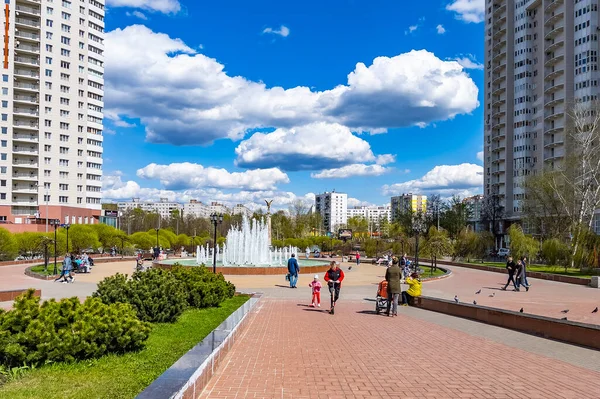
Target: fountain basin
x: 307, y: 266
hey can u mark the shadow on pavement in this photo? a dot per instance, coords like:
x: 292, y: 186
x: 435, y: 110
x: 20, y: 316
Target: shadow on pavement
x: 370, y: 299
x: 309, y: 309
x: 372, y: 312
x: 282, y: 286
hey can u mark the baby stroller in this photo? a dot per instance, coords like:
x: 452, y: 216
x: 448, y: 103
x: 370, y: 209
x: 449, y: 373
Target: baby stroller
x: 381, y: 302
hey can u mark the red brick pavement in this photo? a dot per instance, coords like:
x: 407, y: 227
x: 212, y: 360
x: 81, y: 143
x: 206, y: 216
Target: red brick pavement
x: 291, y: 351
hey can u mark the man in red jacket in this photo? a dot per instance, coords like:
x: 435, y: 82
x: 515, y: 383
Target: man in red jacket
x: 334, y: 277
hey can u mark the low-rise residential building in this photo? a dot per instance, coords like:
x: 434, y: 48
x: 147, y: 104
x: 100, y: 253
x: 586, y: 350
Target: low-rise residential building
x: 240, y: 209
x: 218, y: 208
x: 164, y: 207
x: 196, y: 209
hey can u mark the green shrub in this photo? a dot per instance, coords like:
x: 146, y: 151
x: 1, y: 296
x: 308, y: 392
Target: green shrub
x: 203, y: 288
x: 156, y: 295
x: 67, y: 330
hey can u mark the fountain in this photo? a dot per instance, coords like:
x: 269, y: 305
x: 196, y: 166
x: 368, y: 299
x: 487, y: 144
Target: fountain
x: 246, y: 245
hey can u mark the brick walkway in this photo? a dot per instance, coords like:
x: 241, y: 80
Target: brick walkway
x: 292, y: 351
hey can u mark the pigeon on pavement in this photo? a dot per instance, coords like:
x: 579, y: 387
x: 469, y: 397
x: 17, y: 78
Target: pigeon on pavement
x: 595, y: 310
x: 456, y: 298
x: 521, y: 310
x: 478, y: 292
x: 493, y: 295
x: 564, y: 311
x: 564, y: 318
x: 474, y: 302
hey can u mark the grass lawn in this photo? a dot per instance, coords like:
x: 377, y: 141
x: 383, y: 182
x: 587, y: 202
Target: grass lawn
x: 540, y: 268
x: 40, y: 268
x: 427, y: 271
x: 123, y: 376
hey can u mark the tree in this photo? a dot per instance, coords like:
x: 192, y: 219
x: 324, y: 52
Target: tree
x: 521, y: 244
x: 438, y: 244
x: 83, y: 237
x: 492, y: 212
x: 359, y: 226
x: 143, y: 240
x: 454, y: 216
x: 555, y: 252
x: 8, y: 245
x: 107, y: 235
x: 28, y: 243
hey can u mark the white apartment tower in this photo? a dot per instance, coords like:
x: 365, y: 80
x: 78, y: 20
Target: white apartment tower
x: 541, y: 57
x: 51, y: 112
x: 333, y: 208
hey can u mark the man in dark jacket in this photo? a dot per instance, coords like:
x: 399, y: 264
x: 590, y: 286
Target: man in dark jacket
x: 334, y: 277
x: 512, y: 268
x: 393, y: 275
x: 293, y: 270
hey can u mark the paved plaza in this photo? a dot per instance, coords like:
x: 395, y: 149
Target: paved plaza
x: 290, y: 350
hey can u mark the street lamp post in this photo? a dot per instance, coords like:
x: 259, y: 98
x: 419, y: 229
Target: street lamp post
x: 55, y: 224
x: 417, y: 228
x: 122, y: 245
x: 215, y: 220
x: 157, y: 229
x: 67, y: 226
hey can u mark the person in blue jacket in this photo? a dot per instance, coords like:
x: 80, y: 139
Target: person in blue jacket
x: 293, y: 270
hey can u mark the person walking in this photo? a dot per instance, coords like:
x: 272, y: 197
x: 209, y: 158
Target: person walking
x: 334, y: 277
x: 293, y: 270
x: 316, y: 292
x: 524, y: 280
x: 307, y: 252
x: 512, y: 268
x: 414, y: 289
x: 357, y: 258
x: 393, y: 275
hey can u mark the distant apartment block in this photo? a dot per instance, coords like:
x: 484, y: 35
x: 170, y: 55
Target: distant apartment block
x: 373, y: 214
x: 163, y: 207
x: 333, y: 208
x: 196, y: 209
x: 474, y: 206
x: 218, y: 208
x: 413, y: 202
x: 240, y: 209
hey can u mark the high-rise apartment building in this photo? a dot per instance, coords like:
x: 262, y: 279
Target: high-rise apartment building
x: 333, y: 208
x: 541, y: 56
x: 51, y: 112
x: 413, y: 202
x: 196, y: 209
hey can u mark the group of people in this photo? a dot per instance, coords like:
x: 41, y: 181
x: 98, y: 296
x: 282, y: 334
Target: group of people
x: 397, y: 273
x: 80, y: 263
x: 517, y: 274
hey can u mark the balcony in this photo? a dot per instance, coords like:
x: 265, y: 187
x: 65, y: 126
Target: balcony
x: 498, y: 147
x: 553, y: 86
x: 32, y: 176
x: 556, y: 45
x: 554, y: 101
x: 498, y: 32
x: 499, y: 55
x: 27, y: 35
x: 554, y: 18
x: 21, y: 48
x: 21, y: 124
x: 497, y: 101
x: 498, y: 89
x: 28, y: 112
x: 28, y: 10
x: 498, y: 10
x: 554, y: 31
x: 28, y: 22
x: 549, y: 115
x: 549, y: 142
x: 553, y: 59
x: 554, y: 154
x: 24, y: 189
x: 24, y: 201
x: 498, y: 79
x: 25, y: 150
x: 557, y: 128
x: 29, y: 138
x: 554, y: 73
x: 26, y: 86
x: 25, y: 99
x: 27, y: 61
x: 498, y: 68
x: 25, y: 164
x: 27, y: 73
x: 552, y: 5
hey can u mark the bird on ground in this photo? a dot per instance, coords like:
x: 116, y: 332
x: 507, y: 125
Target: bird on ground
x: 478, y: 292
x: 564, y: 311
x: 564, y: 318
x: 493, y: 295
x: 521, y: 310
x: 456, y: 298
x: 595, y: 310
x: 474, y: 302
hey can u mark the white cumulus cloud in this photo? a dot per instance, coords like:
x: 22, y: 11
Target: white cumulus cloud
x: 183, y: 97
x: 480, y: 156
x: 468, y: 62
x: 468, y: 10
x: 283, y: 31
x: 309, y: 147
x: 137, y: 14
x: 357, y: 169
x: 440, y: 29
x: 177, y: 176
x: 446, y: 180
x: 164, y: 6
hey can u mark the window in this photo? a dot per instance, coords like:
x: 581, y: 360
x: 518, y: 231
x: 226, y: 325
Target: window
x: 3, y: 143
x: 2, y: 157
x: 48, y: 72
x: 47, y: 147
x: 2, y: 183
x: 63, y: 175
x: 63, y: 199
x: 5, y: 78
x: 3, y: 169
x: 4, y: 130
x: 4, y: 104
x: 49, y: 23
x: 63, y: 187
x: 49, y: 60
x: 63, y: 162
x: 47, y: 135
x: 4, y: 117
x: 47, y: 173
x: 3, y: 197
x: 64, y: 137
x: 5, y: 90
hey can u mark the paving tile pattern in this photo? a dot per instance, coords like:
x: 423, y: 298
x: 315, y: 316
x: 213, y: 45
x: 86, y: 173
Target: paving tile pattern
x: 291, y: 351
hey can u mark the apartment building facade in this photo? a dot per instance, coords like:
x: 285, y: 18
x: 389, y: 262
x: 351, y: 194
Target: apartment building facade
x: 196, y: 209
x: 541, y: 58
x: 51, y: 112
x: 333, y: 208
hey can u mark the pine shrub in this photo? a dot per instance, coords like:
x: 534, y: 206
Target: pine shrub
x: 67, y: 330
x: 203, y: 288
x: 156, y: 295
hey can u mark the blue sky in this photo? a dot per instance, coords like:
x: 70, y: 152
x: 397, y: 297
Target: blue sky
x: 237, y: 101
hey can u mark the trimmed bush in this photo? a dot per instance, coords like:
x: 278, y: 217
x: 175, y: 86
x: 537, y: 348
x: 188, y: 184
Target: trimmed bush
x: 203, y: 288
x: 156, y: 295
x: 67, y: 330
